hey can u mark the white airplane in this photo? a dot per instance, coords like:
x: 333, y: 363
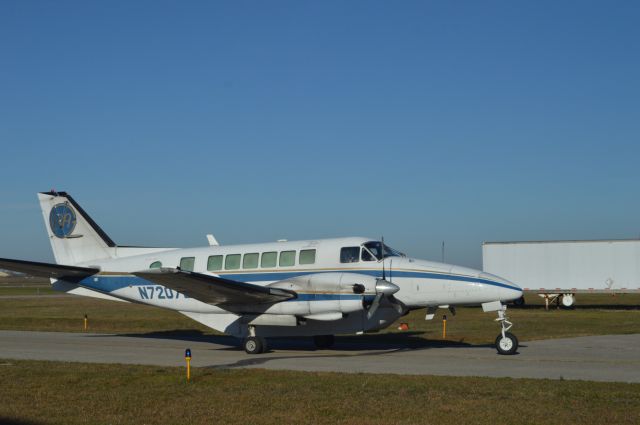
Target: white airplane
x: 316, y: 288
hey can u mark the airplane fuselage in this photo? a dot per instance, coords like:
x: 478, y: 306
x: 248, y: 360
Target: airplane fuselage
x: 322, y: 262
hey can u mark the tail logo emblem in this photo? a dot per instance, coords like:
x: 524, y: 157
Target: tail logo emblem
x: 62, y: 220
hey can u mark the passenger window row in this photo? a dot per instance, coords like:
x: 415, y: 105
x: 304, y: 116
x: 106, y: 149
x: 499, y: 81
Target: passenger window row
x: 249, y: 260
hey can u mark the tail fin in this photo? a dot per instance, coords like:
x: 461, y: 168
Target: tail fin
x: 75, y: 238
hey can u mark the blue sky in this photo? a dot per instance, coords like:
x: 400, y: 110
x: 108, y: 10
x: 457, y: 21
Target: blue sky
x: 423, y: 121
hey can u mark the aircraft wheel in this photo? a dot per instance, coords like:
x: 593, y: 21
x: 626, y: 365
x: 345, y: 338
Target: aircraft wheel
x: 323, y: 341
x: 254, y: 345
x: 508, y: 344
x: 519, y: 302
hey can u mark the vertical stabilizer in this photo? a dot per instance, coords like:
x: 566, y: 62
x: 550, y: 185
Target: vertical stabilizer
x: 75, y: 238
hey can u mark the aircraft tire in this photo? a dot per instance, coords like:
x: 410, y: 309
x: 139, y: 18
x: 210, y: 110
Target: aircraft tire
x: 519, y: 302
x: 254, y: 345
x: 323, y: 341
x: 507, y: 345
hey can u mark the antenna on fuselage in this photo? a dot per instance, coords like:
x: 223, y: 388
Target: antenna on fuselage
x: 382, y: 256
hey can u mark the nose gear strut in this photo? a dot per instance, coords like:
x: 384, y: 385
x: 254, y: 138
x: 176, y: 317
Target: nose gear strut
x: 506, y: 342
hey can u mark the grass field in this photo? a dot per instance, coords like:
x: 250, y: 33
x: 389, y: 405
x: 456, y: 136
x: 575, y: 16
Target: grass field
x: 61, y: 393
x: 605, y: 315
x: 27, y: 290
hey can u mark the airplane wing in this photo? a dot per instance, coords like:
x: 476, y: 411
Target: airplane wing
x: 49, y: 270
x: 213, y: 289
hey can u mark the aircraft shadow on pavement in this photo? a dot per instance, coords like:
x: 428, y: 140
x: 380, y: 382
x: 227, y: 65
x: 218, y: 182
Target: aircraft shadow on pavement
x: 349, y: 343
x: 348, y: 346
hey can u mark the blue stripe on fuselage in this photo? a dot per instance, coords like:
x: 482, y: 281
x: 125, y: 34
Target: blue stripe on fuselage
x: 276, y: 276
x: 111, y: 283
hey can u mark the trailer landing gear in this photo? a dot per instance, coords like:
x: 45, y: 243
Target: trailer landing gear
x: 567, y: 300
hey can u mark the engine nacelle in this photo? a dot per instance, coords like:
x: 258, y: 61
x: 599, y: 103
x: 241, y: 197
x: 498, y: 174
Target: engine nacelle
x: 321, y: 293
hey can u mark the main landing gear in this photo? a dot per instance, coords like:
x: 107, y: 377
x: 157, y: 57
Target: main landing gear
x: 254, y: 344
x: 506, y: 342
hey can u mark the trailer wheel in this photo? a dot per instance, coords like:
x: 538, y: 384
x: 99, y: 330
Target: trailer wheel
x: 507, y: 345
x: 568, y: 300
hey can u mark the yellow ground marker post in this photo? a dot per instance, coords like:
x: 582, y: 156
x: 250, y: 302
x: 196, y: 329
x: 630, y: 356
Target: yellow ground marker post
x: 187, y: 357
x: 86, y: 323
x: 444, y: 326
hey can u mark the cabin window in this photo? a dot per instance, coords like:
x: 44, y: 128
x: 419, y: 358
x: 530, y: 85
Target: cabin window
x: 307, y: 256
x: 349, y: 254
x: 232, y: 262
x: 287, y: 258
x: 155, y: 265
x: 250, y: 261
x: 269, y: 259
x: 377, y: 251
x: 186, y: 263
x: 214, y: 263
x: 367, y: 255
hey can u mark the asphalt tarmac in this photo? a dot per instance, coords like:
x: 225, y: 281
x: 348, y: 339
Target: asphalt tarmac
x: 593, y: 358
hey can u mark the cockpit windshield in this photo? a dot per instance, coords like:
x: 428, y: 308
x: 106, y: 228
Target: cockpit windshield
x: 375, y: 251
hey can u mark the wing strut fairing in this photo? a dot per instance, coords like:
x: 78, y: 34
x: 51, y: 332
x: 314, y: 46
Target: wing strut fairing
x: 213, y: 289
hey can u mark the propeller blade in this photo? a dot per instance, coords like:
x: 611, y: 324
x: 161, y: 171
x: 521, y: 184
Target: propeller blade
x: 374, y: 305
x: 398, y: 305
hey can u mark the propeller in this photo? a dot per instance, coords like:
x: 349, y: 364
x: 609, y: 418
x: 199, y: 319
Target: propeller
x: 384, y: 287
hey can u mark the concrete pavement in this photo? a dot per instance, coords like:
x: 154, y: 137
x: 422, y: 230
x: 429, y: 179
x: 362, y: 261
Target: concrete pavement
x: 597, y: 358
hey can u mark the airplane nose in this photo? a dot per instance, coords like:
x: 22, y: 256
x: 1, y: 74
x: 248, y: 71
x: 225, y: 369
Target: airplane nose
x: 510, y: 294
x: 508, y: 291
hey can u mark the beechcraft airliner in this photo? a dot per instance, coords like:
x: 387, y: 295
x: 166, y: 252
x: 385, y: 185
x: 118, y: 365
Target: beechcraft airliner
x: 316, y: 288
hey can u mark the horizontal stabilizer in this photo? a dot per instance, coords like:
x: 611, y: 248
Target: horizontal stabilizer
x: 214, y: 290
x: 54, y: 271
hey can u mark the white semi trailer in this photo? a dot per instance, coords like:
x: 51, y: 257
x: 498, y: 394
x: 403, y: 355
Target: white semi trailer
x: 558, y: 270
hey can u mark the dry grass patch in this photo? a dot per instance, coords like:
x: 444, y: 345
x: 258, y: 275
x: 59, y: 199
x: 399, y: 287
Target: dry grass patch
x: 63, y: 393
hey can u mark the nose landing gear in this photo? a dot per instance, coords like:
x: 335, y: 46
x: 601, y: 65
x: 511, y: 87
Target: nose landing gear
x: 506, y: 342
